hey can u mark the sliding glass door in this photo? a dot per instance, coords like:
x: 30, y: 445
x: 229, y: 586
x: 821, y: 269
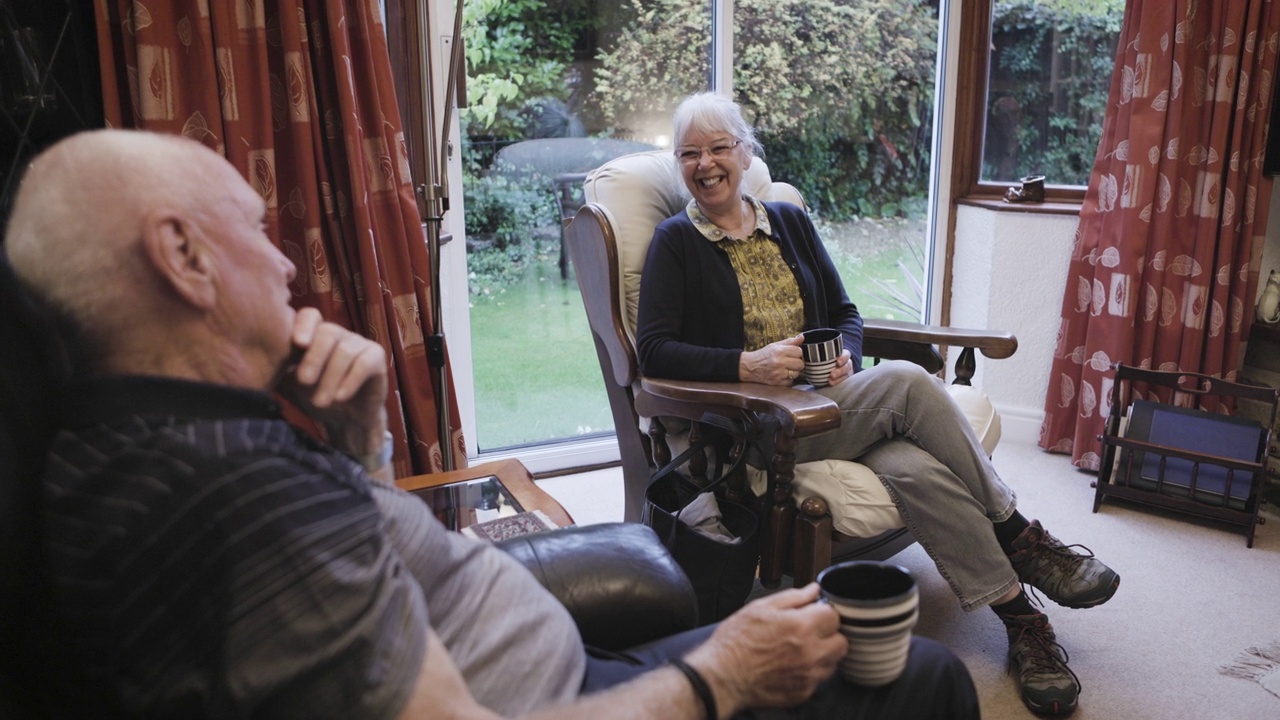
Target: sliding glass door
x: 840, y: 90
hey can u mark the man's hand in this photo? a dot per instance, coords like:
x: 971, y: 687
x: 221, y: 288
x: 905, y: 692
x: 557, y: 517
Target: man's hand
x: 778, y: 363
x: 340, y: 381
x: 773, y: 652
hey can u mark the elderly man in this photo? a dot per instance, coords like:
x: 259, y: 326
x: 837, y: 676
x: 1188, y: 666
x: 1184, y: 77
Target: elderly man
x: 211, y: 560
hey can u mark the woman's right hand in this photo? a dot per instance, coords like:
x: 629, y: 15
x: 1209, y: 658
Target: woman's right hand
x: 778, y: 363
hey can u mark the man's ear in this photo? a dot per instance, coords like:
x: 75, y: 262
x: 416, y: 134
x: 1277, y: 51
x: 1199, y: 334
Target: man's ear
x: 180, y: 258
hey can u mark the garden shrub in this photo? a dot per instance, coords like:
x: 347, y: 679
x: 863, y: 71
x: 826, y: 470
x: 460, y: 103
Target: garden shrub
x: 840, y: 91
x: 1043, y: 124
x: 500, y: 212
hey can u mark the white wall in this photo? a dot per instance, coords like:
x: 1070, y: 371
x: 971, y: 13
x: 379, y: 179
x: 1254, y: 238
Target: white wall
x: 1009, y: 272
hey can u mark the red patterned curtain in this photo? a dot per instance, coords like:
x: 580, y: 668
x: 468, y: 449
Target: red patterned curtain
x: 298, y: 95
x: 1166, y: 259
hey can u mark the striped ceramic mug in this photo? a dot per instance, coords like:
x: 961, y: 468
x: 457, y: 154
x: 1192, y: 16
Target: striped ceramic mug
x: 821, y: 347
x: 878, y: 605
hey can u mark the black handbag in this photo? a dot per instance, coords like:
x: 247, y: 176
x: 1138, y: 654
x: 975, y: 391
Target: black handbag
x: 722, y: 573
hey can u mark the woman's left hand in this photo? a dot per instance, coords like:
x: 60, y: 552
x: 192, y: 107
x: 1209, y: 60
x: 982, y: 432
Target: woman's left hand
x: 842, y: 370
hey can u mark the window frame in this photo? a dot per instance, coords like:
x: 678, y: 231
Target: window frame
x: 973, y: 78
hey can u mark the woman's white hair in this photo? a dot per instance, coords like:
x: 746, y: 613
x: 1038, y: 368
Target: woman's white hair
x: 710, y: 112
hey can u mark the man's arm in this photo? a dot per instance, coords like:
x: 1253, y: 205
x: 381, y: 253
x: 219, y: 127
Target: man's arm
x: 772, y: 653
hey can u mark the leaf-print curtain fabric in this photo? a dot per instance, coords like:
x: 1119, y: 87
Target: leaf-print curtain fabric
x: 298, y: 95
x: 1166, y: 258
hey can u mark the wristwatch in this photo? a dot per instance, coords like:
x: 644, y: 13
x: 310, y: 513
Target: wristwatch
x: 375, y: 461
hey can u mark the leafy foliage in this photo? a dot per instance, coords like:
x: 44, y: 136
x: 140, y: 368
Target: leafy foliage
x: 1051, y: 78
x: 519, y: 54
x: 501, y: 212
x: 840, y: 91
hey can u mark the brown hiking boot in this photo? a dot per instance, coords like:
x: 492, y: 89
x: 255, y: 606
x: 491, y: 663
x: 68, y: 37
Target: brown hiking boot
x: 1072, y: 579
x: 1047, y: 685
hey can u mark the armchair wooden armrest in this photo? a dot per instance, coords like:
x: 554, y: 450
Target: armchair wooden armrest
x: 919, y: 344
x: 799, y: 413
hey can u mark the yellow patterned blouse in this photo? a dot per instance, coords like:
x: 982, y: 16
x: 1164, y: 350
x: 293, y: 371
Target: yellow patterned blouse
x: 771, y: 304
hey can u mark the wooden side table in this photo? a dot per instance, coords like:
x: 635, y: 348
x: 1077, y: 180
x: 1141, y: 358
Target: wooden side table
x: 463, y: 497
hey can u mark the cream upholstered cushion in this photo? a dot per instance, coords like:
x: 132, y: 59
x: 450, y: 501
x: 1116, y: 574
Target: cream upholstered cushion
x: 640, y: 190
x: 637, y: 192
x: 981, y: 414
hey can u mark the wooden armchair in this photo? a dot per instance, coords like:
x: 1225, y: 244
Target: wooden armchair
x: 608, y: 241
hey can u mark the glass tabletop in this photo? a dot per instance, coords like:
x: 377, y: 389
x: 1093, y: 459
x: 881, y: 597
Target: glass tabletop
x: 460, y: 505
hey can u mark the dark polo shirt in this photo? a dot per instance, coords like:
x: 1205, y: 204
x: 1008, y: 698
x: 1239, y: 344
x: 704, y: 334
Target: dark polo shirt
x: 211, y: 560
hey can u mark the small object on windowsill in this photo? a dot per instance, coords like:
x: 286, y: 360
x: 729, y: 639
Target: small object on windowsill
x: 509, y: 526
x: 1031, y: 189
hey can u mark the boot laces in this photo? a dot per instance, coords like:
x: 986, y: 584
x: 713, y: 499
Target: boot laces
x: 1051, y: 552
x: 1044, y: 653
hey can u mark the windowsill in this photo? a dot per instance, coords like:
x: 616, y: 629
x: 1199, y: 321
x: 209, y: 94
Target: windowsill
x: 1049, y: 207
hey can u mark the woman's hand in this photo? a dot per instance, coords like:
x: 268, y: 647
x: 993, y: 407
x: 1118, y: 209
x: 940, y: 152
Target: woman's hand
x: 778, y: 363
x: 842, y: 370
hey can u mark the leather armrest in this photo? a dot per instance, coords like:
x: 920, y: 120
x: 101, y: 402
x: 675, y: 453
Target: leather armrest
x: 617, y: 580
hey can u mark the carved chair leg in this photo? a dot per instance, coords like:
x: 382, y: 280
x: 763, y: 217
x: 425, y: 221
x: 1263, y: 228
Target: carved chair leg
x: 781, y: 514
x: 658, y: 443
x: 966, y: 365
x: 812, y: 541
x: 698, y: 462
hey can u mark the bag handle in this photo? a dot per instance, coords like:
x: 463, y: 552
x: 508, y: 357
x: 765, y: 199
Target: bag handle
x: 683, y: 457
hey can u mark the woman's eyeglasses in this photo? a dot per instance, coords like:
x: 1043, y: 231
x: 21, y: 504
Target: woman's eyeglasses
x: 690, y: 155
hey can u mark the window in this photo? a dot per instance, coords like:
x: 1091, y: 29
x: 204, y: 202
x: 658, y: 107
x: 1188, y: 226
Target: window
x: 1037, y: 99
x: 556, y: 88
x: 841, y: 93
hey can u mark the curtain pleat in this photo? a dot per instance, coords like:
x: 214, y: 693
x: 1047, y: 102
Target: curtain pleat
x: 298, y: 95
x: 1166, y: 258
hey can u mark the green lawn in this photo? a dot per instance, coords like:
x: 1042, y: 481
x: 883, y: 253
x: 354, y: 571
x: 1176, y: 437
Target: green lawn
x: 536, y: 374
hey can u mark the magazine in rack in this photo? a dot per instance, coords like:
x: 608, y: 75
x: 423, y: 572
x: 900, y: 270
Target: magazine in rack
x: 1197, y: 431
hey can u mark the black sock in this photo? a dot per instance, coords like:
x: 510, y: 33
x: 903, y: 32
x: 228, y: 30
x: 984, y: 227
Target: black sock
x: 1020, y: 605
x: 1009, y: 530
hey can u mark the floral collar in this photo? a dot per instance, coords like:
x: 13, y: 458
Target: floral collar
x: 713, y: 233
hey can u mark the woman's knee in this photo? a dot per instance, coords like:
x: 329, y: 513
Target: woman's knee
x: 904, y: 372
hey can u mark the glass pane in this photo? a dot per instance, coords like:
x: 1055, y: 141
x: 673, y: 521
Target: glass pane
x: 555, y: 89
x: 841, y: 94
x: 1050, y: 75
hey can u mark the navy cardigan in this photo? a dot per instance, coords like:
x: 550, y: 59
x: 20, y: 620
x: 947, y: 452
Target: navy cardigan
x: 689, y: 324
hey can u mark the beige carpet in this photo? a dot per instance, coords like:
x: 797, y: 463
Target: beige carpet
x: 1192, y: 600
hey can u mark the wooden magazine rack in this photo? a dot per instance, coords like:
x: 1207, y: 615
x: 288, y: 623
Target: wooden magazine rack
x: 1160, y: 452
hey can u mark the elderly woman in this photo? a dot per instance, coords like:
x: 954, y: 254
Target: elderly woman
x: 729, y: 285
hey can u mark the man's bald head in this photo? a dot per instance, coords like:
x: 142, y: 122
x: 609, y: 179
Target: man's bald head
x: 75, y: 232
